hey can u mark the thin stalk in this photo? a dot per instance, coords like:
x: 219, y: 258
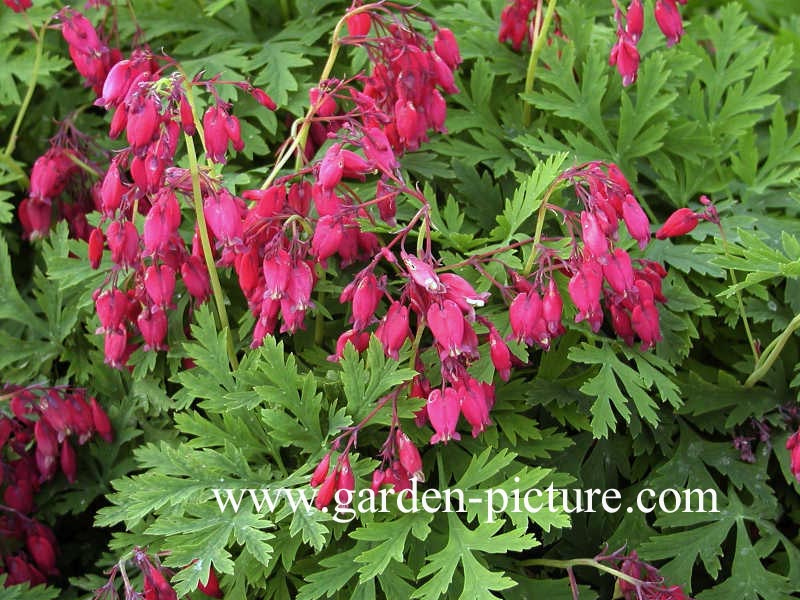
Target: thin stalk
x: 32, y: 80
x: 772, y: 352
x: 219, y: 299
x: 538, y: 44
x: 537, y: 235
x: 581, y: 562
x: 83, y: 165
x: 299, y: 141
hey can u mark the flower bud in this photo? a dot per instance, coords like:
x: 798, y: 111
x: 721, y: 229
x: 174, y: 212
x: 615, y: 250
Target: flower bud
x: 69, y: 463
x: 321, y: 472
x: 409, y: 455
x: 394, y: 330
x: 681, y: 222
x: 669, y: 21
x: 358, y: 25
x: 100, y: 421
x: 636, y: 221
x: 500, y: 354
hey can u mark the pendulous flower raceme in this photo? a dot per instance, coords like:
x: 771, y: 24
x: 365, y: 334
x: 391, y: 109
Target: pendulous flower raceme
x: 38, y: 427
x: 630, y: 24
x: 440, y: 312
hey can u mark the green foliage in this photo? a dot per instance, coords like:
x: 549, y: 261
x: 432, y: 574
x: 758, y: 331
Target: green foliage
x: 716, y: 114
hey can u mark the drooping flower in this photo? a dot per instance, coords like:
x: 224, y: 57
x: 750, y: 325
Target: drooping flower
x: 443, y: 410
x: 669, y: 20
x: 625, y: 57
x: 681, y: 222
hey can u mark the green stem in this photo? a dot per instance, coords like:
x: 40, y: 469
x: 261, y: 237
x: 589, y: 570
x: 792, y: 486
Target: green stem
x: 285, y: 10
x: 771, y: 353
x: 538, y: 44
x: 37, y: 63
x: 299, y: 141
x: 581, y: 562
x: 83, y: 165
x: 537, y: 235
x: 739, y: 301
x: 219, y: 299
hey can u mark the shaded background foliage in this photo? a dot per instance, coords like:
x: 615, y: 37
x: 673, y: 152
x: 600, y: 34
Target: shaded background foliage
x: 715, y: 115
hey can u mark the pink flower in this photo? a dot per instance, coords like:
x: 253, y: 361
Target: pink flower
x: 447, y: 48
x: 331, y: 168
x: 195, y: 277
x: 644, y: 320
x: 422, y: 274
x: 123, y: 242
x: 394, y: 330
x: 500, y: 354
x: 552, y: 308
x: 584, y: 290
x: 527, y: 324
x: 328, y: 237
x: 358, y: 25
x: 621, y: 322
x: 447, y: 325
x: 636, y: 221
x: 443, y: 410
x: 224, y: 217
x: 626, y: 58
x: 159, y: 282
x: 634, y: 20
x: 474, y: 405
x: 366, y: 296
x: 359, y: 340
x: 409, y: 455
x: 669, y: 20
x: 215, y: 133
x: 618, y: 271
x: 681, y: 222
x: 18, y: 6
x: 347, y: 481
x: 460, y: 291
x: 321, y: 472
x: 593, y: 237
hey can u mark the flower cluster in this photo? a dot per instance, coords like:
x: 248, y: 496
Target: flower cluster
x: 295, y: 226
x: 439, y: 311
x: 153, y: 109
x: 155, y: 580
x: 624, y: 54
x: 602, y: 272
x: 149, y: 111
x: 643, y: 581
x: 36, y: 431
x: 515, y: 23
x: 60, y: 186
x: 91, y: 55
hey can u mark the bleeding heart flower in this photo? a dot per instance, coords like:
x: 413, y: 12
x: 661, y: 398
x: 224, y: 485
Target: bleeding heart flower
x: 443, y: 410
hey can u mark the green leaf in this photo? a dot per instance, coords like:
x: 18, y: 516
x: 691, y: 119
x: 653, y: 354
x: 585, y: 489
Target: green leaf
x: 527, y: 198
x: 461, y: 548
x: 368, y: 379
